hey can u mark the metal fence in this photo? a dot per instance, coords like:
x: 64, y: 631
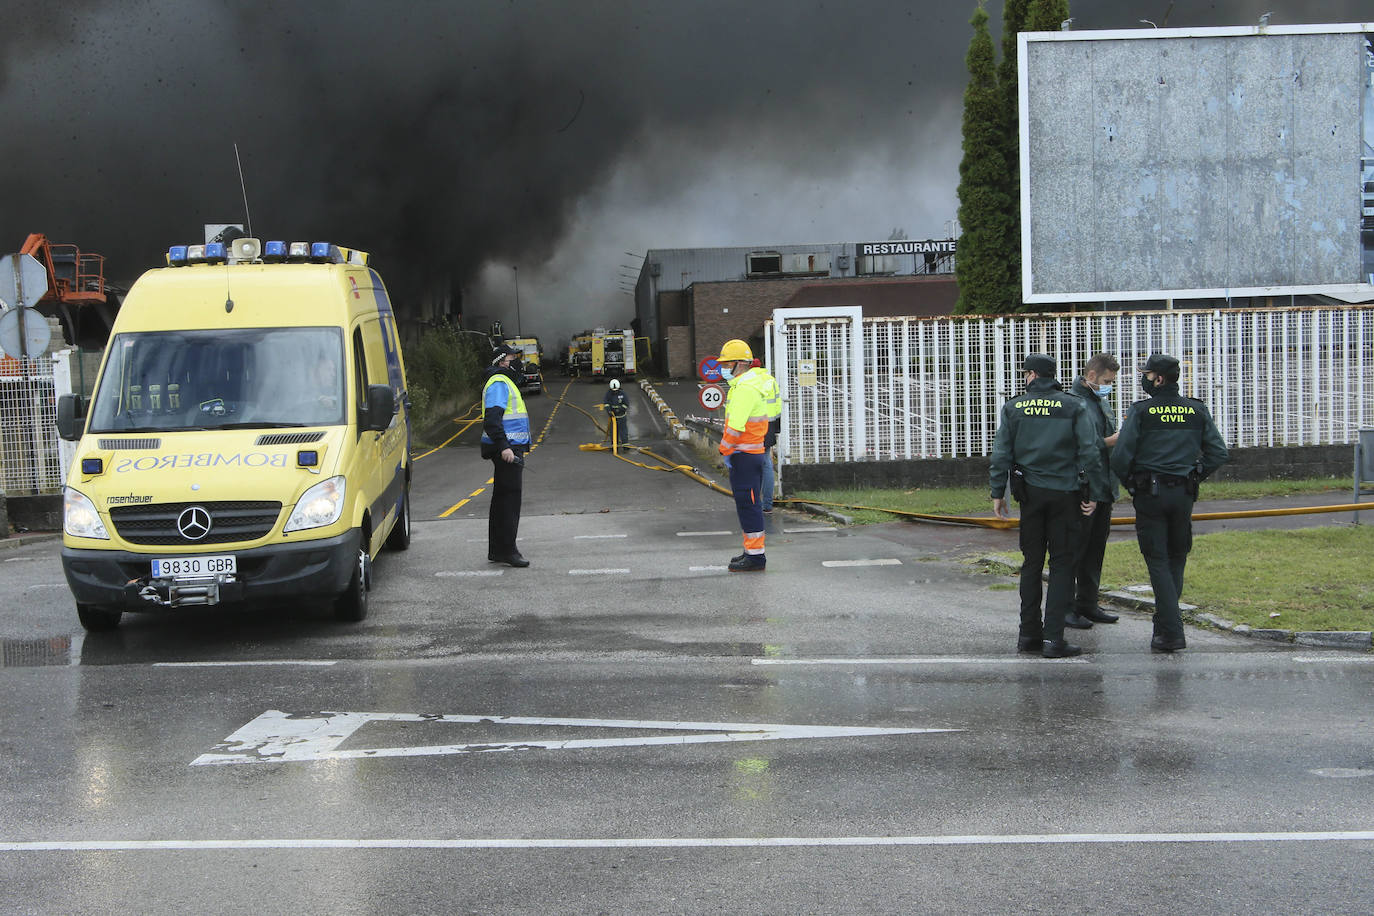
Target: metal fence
x: 32, y: 459
x: 932, y: 387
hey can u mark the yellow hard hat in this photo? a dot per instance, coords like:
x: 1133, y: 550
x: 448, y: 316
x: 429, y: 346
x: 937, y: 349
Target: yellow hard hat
x: 735, y: 350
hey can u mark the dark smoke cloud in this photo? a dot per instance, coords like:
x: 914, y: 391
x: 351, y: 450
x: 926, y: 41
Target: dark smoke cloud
x: 456, y: 135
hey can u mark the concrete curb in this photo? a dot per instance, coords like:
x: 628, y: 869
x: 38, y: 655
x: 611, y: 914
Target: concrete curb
x: 679, y: 430
x: 1138, y: 601
x: 19, y: 540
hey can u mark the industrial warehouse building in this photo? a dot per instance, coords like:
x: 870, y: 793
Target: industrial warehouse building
x: 689, y: 300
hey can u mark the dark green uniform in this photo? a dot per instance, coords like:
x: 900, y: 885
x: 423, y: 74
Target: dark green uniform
x: 1093, y: 529
x: 1163, y: 439
x: 1048, y: 434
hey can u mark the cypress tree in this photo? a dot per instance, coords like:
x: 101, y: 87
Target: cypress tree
x: 985, y: 211
x: 1013, y: 22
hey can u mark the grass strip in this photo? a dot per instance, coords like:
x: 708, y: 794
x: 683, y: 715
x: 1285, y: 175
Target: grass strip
x: 1296, y: 579
x: 975, y: 501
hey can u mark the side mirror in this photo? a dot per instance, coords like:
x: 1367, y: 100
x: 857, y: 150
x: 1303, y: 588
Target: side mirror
x: 381, y: 406
x: 71, y: 412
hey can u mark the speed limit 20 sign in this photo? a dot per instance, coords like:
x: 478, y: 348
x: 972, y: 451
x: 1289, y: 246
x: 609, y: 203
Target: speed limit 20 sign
x: 711, y: 396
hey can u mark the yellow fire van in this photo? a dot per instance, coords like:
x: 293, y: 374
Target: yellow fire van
x: 247, y: 439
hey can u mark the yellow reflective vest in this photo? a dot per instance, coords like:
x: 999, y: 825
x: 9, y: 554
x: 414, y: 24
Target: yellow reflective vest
x: 751, y: 403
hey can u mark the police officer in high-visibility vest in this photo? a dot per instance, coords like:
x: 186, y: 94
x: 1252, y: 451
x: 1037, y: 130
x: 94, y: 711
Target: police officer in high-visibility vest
x: 750, y: 404
x: 505, y: 440
x: 1047, y: 446
x: 1167, y: 445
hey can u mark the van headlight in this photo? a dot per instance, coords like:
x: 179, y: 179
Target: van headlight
x: 318, y: 506
x: 79, y: 518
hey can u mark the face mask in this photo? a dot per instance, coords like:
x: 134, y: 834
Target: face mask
x: 1148, y: 386
x: 1103, y: 391
x: 726, y: 374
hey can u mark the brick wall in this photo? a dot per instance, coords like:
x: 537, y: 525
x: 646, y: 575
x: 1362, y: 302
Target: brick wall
x: 729, y: 310
x: 679, y: 362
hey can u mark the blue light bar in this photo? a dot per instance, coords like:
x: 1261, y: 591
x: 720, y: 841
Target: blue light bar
x: 176, y: 255
x: 214, y: 251
x: 308, y: 459
x: 319, y: 251
x: 92, y: 466
x: 274, y: 251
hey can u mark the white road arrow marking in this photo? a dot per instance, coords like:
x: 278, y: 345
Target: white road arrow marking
x: 279, y: 737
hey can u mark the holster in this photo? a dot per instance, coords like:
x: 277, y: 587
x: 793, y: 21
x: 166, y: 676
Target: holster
x: 1194, y: 479
x: 1018, y: 483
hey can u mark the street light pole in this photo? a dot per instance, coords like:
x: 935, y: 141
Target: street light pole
x: 515, y: 272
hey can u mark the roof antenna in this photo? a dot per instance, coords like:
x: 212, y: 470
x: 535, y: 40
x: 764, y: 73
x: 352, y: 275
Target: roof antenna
x: 247, y: 219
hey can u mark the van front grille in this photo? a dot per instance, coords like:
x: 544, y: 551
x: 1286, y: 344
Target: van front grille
x: 157, y: 523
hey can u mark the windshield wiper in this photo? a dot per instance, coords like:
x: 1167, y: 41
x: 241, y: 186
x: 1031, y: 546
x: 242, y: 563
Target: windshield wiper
x: 263, y: 424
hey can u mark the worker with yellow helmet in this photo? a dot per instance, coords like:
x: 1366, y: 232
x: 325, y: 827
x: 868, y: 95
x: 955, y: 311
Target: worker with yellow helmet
x: 749, y: 406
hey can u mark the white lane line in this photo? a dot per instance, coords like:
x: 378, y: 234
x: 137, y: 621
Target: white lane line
x: 285, y: 661
x: 598, y: 572
x: 1309, y: 659
x: 471, y: 572
x: 597, y: 537
x: 806, y: 530
x: 703, y: 534
x: 918, y: 660
x: 1014, y: 839
x: 890, y: 561
x: 706, y: 569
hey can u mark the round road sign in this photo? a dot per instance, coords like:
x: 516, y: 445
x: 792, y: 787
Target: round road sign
x: 708, y: 370
x: 37, y: 334
x: 711, y: 396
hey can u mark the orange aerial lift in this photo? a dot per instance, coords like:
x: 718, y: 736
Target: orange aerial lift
x: 77, y: 292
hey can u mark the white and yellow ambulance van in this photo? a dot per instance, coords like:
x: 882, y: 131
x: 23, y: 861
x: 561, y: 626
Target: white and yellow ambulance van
x: 247, y: 439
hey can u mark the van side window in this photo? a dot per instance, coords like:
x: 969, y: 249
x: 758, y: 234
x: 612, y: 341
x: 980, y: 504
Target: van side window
x: 359, y: 372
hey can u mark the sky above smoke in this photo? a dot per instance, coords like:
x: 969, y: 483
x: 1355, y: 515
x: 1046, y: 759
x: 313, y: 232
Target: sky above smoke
x: 496, y: 142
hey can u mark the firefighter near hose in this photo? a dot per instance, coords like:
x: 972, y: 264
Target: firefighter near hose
x: 617, y: 406
x: 750, y: 404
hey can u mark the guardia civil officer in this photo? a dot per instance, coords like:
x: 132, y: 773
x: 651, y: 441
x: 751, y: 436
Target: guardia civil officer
x: 1046, y: 445
x: 1168, y: 444
x: 1094, y: 386
x: 505, y: 440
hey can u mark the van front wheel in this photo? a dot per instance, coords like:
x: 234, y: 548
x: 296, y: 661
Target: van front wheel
x: 352, y: 604
x: 97, y: 619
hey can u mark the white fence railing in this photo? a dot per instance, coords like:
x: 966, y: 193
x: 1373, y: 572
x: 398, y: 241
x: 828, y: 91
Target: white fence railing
x: 32, y: 459
x: 932, y: 387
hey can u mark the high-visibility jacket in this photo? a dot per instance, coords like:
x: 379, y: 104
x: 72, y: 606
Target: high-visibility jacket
x: 500, y: 391
x: 751, y: 402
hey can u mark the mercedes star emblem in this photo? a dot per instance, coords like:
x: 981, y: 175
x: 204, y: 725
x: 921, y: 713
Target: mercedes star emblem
x: 194, y: 523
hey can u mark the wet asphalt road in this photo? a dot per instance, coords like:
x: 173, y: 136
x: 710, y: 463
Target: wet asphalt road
x: 669, y: 751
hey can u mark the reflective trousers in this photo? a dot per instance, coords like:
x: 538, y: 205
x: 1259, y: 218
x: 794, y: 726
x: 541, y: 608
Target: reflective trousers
x: 1164, y: 530
x: 1048, y: 526
x: 746, y: 480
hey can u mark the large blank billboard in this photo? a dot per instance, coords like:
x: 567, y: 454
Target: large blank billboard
x: 1196, y: 163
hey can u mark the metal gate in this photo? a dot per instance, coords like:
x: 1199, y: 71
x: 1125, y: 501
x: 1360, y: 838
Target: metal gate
x: 932, y: 387
x: 32, y: 459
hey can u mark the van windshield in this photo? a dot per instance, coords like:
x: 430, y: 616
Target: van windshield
x: 163, y: 381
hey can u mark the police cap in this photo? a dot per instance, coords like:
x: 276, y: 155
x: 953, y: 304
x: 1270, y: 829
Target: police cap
x: 1161, y: 363
x: 503, y: 350
x: 1041, y: 364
